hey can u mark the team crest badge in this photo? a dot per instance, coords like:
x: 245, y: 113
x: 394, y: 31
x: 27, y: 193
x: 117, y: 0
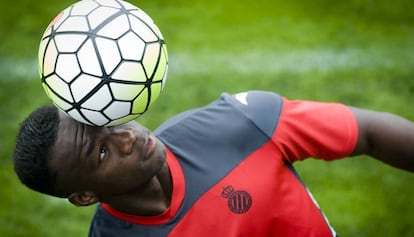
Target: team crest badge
x: 239, y: 201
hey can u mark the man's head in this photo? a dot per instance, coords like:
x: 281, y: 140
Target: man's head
x: 59, y: 156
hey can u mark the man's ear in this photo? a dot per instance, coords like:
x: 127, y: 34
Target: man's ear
x: 83, y: 198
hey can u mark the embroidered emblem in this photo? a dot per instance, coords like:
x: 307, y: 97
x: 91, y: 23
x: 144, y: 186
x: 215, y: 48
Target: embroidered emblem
x: 238, y: 201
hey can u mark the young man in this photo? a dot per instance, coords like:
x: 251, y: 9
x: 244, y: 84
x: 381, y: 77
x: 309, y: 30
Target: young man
x: 221, y: 170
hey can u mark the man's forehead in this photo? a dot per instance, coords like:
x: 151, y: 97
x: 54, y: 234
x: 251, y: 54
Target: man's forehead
x: 64, y: 154
x: 67, y: 136
x: 66, y: 150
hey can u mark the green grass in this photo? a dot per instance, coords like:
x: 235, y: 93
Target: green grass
x: 356, y: 52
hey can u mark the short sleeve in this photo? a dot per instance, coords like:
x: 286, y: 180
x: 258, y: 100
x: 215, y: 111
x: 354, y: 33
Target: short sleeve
x: 261, y: 108
x: 320, y: 130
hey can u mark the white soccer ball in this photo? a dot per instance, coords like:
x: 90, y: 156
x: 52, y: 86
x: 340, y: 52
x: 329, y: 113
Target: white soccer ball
x: 103, y: 62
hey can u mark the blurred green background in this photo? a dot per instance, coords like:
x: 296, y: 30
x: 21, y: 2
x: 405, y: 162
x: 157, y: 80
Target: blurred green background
x: 355, y: 52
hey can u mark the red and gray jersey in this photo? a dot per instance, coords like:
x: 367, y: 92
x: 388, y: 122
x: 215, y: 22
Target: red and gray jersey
x: 231, y: 166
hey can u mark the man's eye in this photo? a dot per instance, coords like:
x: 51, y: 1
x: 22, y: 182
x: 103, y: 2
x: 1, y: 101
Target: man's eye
x: 102, y: 153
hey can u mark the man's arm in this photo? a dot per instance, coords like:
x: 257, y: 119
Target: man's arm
x: 386, y: 137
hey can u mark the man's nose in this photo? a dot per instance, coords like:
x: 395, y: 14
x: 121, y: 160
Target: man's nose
x: 124, y: 138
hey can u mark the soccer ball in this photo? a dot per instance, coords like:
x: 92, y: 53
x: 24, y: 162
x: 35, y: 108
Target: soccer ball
x: 103, y: 62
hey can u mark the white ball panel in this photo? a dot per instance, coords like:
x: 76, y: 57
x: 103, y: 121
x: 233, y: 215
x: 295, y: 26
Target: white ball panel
x: 69, y: 43
x: 59, y: 19
x: 115, y: 28
x: 150, y: 59
x: 99, y: 99
x: 118, y: 109
x: 83, y: 85
x: 122, y: 91
x: 143, y: 16
x: 109, y: 54
x: 60, y: 87
x: 123, y: 120
x: 56, y: 100
x: 67, y: 67
x: 99, y: 15
x: 74, y: 23
x: 77, y: 116
x: 95, y: 117
x: 63, y: 105
x: 142, y: 30
x: 132, y: 47
x: 50, y: 59
x: 42, y: 48
x: 157, y: 31
x: 88, y: 60
x: 83, y: 8
x: 109, y: 3
x: 130, y: 71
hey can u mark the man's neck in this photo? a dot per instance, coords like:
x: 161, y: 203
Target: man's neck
x: 152, y: 200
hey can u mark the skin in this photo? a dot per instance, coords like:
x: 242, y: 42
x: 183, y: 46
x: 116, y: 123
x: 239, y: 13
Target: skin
x: 124, y: 166
x: 386, y: 137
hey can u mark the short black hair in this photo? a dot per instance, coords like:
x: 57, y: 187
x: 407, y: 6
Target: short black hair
x: 35, y: 138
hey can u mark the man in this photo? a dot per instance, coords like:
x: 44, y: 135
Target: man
x: 221, y: 170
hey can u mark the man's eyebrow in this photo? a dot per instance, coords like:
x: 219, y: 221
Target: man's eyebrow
x: 89, y: 143
x: 91, y: 147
